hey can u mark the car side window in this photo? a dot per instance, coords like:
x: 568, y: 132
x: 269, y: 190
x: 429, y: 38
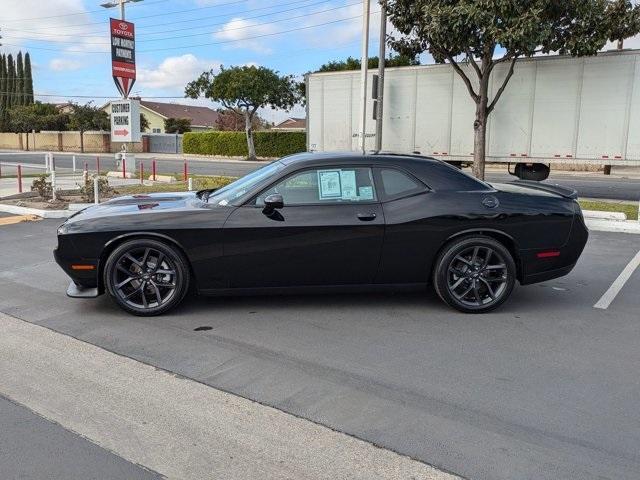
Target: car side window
x: 324, y: 186
x: 398, y: 184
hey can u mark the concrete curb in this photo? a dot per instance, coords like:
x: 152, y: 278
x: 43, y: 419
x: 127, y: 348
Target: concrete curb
x: 16, y: 210
x: 599, y: 215
x: 617, y: 226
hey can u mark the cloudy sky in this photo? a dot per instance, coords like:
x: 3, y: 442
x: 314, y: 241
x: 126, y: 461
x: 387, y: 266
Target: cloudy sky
x: 176, y: 40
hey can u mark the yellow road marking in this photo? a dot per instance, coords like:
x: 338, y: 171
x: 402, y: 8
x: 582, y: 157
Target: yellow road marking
x: 18, y: 219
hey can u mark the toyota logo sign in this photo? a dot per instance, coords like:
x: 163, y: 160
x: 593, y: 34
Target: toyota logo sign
x: 123, y: 26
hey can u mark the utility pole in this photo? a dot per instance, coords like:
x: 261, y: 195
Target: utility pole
x: 363, y: 74
x: 381, y: 64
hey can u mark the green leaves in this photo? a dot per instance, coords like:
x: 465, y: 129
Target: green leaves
x: 246, y: 88
x: 268, y: 143
x: 522, y: 27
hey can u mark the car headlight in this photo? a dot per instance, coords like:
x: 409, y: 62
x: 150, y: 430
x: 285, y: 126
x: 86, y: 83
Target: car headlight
x: 62, y: 229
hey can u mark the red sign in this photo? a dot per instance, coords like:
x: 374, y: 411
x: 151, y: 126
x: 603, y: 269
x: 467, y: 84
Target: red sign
x: 123, y: 55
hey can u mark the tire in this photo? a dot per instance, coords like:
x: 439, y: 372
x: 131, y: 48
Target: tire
x: 474, y: 274
x: 146, y: 277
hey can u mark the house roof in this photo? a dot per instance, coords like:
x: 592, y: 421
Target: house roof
x: 199, y: 116
x: 293, y: 123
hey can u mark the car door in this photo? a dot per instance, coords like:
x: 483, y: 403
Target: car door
x: 329, y: 232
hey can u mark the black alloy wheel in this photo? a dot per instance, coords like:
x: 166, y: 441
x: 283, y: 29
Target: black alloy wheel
x: 475, y: 274
x: 146, y: 277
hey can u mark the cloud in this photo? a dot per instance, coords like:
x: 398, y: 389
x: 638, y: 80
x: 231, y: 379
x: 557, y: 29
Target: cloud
x: 174, y: 72
x: 237, y: 30
x: 64, y: 23
x: 64, y: 64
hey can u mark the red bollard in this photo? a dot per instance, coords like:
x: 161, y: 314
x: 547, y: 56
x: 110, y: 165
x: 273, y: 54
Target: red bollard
x: 142, y: 174
x: 19, y: 178
x: 153, y: 169
x: 98, y: 164
x: 186, y: 171
x: 124, y: 167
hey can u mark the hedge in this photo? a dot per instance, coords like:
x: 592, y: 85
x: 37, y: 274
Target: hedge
x: 234, y: 144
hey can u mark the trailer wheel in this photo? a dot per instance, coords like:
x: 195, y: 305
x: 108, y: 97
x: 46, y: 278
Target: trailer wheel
x: 531, y: 171
x: 455, y: 164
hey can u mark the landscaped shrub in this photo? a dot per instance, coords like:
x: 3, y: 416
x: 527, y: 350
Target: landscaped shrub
x: 43, y: 186
x: 234, y: 144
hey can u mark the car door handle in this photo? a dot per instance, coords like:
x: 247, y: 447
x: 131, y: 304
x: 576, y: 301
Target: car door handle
x: 366, y: 217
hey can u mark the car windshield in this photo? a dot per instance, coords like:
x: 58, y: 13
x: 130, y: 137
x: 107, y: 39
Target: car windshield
x: 244, y: 184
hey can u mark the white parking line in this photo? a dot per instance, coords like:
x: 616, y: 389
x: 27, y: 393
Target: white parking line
x: 610, y: 295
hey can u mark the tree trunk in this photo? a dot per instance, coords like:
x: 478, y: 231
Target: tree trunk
x: 480, y: 137
x: 249, y: 130
x: 81, y: 141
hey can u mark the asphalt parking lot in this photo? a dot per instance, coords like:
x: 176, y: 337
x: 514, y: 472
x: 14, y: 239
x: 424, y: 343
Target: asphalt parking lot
x: 546, y: 388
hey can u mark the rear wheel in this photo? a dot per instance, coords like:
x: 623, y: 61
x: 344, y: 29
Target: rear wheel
x: 146, y: 277
x: 474, y: 274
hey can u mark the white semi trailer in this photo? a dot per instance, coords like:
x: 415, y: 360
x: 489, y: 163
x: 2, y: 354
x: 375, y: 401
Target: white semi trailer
x: 556, y: 109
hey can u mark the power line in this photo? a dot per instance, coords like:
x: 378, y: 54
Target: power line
x: 15, y: 20
x: 235, y: 2
x: 217, y: 31
x: 223, y: 42
x: 139, y: 27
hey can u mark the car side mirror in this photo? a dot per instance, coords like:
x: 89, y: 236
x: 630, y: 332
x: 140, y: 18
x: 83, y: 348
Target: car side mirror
x: 272, y: 203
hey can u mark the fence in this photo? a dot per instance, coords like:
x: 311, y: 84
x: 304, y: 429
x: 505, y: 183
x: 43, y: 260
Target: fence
x: 69, y: 174
x: 165, y: 143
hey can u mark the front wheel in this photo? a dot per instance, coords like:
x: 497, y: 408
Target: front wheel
x: 146, y: 277
x: 474, y: 274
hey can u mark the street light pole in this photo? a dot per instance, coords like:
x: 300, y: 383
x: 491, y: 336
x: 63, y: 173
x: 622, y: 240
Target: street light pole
x: 363, y: 73
x: 119, y: 3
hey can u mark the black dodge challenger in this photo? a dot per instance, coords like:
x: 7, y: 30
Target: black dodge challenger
x: 326, y: 222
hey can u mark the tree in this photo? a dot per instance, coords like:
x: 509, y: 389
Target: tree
x: 11, y: 79
x: 177, y: 125
x: 87, y: 117
x: 4, y: 117
x: 351, y: 63
x: 244, y: 90
x: 476, y: 36
x: 28, y: 80
x: 230, y: 121
x: 144, y: 123
x: 19, y: 98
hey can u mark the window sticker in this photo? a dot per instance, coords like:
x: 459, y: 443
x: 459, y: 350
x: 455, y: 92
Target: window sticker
x: 348, y: 182
x: 366, y: 193
x: 329, y: 184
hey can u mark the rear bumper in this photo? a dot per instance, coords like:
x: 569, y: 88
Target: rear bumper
x: 535, y: 270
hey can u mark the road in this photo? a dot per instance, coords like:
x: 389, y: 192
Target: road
x: 546, y: 387
x: 588, y: 185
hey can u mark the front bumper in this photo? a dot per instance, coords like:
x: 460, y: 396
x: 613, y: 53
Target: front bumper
x: 65, y: 257
x: 78, y: 291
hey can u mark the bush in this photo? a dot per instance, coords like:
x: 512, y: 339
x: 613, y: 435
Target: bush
x: 234, y: 144
x: 86, y: 190
x: 43, y: 187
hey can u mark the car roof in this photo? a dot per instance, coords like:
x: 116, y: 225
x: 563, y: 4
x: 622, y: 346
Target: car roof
x: 352, y: 157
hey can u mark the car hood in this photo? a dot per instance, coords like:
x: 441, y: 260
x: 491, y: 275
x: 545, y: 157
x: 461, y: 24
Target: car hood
x: 140, y: 204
